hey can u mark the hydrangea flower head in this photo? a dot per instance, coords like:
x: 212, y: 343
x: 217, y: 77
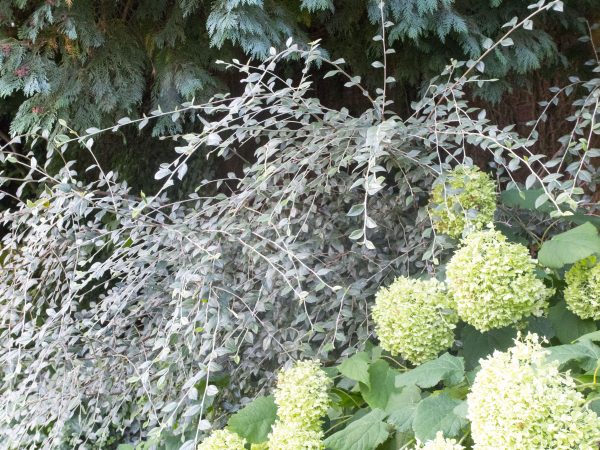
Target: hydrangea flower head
x: 223, y: 440
x: 440, y: 443
x: 302, y: 394
x: 414, y: 318
x: 519, y: 400
x: 493, y: 281
x: 289, y: 436
x: 464, y: 198
x: 582, y: 293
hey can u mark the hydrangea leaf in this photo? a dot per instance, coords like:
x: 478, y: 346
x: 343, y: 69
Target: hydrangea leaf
x: 570, y: 246
x: 356, y: 368
x: 524, y: 199
x: 365, y: 433
x: 447, y: 368
x: 477, y: 345
x: 255, y: 420
x: 593, y: 336
x: 585, y: 352
x: 567, y: 325
x: 381, y: 384
x: 402, y: 407
x: 436, y: 413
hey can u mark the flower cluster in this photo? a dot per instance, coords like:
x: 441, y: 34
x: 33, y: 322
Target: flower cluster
x: 582, y: 293
x: 493, y: 281
x: 440, y: 443
x: 521, y: 400
x: 414, y: 318
x: 286, y: 436
x: 302, y: 399
x: 223, y: 440
x: 465, y: 198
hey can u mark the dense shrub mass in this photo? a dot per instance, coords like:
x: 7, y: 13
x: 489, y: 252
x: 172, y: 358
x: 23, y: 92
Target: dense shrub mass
x: 493, y: 281
x: 582, y: 293
x: 464, y: 199
x: 413, y: 318
x: 519, y: 400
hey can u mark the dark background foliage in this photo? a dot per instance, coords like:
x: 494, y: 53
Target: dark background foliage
x: 91, y: 62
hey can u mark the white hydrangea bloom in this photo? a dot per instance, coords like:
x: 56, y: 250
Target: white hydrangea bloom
x: 289, y: 436
x: 519, y: 400
x: 582, y: 293
x: 223, y: 440
x: 493, y: 281
x: 414, y: 318
x: 463, y: 198
x: 440, y: 443
x: 302, y: 394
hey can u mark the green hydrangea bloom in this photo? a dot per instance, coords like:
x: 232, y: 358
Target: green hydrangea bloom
x: 463, y: 198
x: 302, y: 399
x: 493, y: 281
x: 413, y: 318
x: 582, y: 293
x: 440, y: 443
x: 289, y: 436
x: 223, y: 440
x: 519, y: 400
x: 302, y: 395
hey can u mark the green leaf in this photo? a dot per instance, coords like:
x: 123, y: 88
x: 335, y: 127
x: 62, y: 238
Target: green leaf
x: 570, y: 246
x: 437, y: 413
x: 524, y: 199
x: 356, y: 368
x: 586, y: 353
x: 402, y: 406
x: 381, y: 384
x: 365, y: 433
x: 255, y: 420
x: 447, y: 368
x: 477, y: 345
x: 593, y: 336
x: 568, y: 326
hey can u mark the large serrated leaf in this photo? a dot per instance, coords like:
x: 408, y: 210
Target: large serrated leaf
x: 365, y: 433
x: 477, y: 345
x: 570, y: 246
x: 402, y: 406
x: 255, y: 420
x: 356, y: 368
x: 568, y: 326
x: 585, y: 353
x: 437, y: 413
x: 447, y: 368
x: 382, y: 383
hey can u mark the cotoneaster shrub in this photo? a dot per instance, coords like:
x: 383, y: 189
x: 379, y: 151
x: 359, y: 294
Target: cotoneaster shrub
x: 582, y: 293
x: 464, y: 199
x: 521, y: 400
x: 493, y: 281
x: 413, y: 318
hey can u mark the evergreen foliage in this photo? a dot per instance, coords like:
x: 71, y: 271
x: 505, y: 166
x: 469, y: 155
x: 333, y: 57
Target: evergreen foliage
x: 91, y: 62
